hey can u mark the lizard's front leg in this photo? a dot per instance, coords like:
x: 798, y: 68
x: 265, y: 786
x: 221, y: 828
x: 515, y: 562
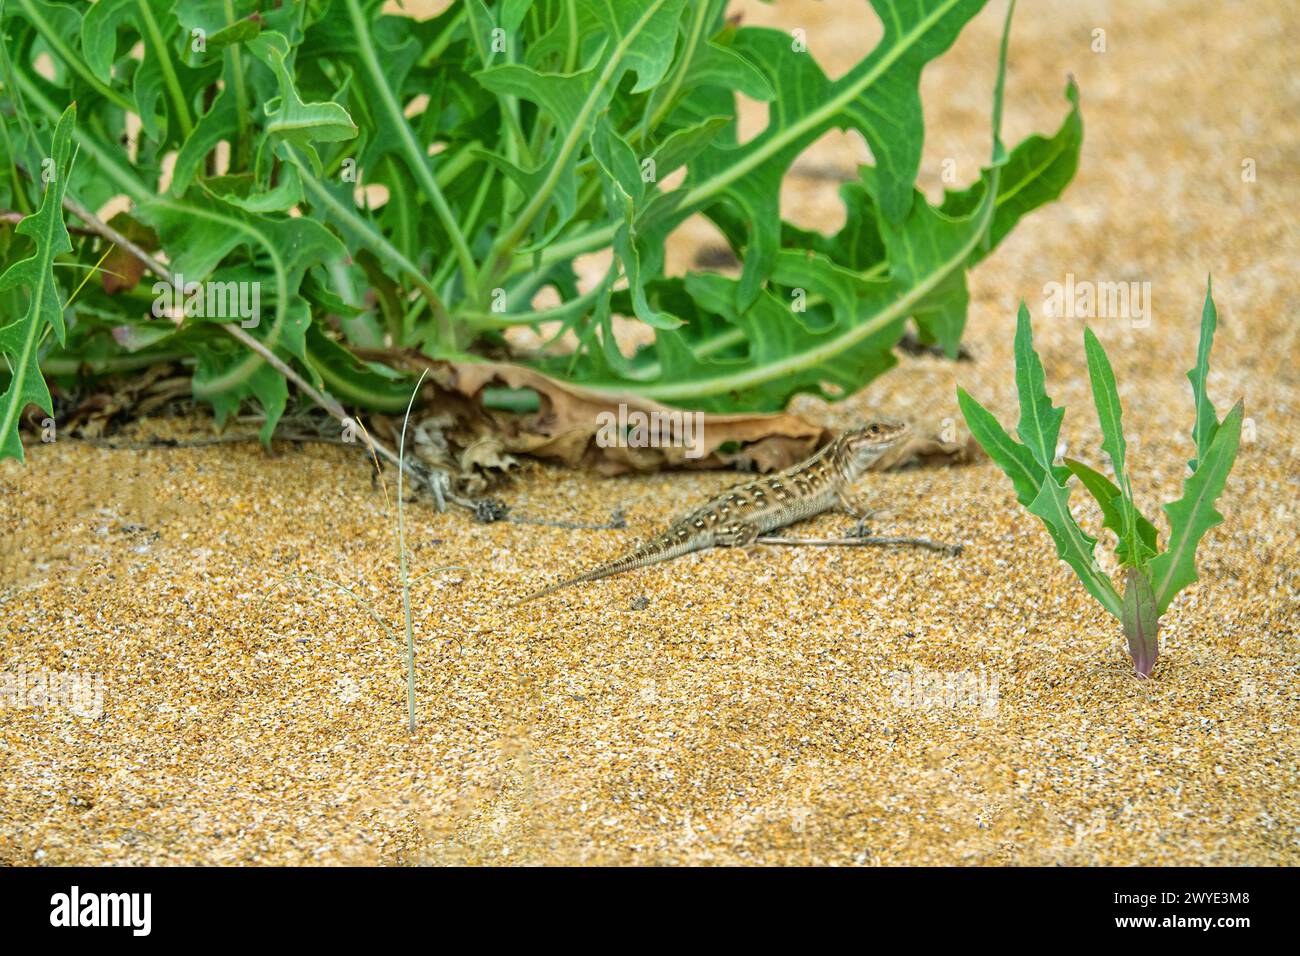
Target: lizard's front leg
x: 856, y: 507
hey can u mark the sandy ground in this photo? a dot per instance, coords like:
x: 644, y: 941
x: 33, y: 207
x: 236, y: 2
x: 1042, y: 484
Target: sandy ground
x: 811, y: 706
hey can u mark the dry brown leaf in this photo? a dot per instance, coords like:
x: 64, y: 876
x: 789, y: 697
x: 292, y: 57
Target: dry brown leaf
x: 566, y: 426
x: 122, y: 270
x: 925, y: 447
x: 94, y: 412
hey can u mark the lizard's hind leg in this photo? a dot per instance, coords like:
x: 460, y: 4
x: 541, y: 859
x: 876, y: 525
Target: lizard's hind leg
x: 737, y: 534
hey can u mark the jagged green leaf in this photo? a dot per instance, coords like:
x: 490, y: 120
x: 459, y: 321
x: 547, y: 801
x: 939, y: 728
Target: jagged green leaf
x: 878, y: 98
x: 284, y: 248
x: 470, y: 159
x: 626, y: 189
x: 1036, y: 172
x: 1015, y: 459
x: 1040, y: 421
x: 288, y: 118
x: 1105, y: 396
x: 680, y: 146
x: 637, y: 38
x: 20, y: 339
x: 1110, y: 500
x: 1207, y: 420
x: 164, y: 86
x: 1193, y: 514
x: 1073, y: 546
x: 352, y: 380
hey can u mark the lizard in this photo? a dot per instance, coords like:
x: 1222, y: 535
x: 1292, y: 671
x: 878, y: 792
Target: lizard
x: 740, y: 514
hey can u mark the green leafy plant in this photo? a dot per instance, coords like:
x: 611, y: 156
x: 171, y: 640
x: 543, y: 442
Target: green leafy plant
x: 395, y: 185
x: 1152, y: 575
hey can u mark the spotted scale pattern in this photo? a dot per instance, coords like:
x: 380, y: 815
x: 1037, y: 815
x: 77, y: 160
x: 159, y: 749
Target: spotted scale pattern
x: 740, y: 514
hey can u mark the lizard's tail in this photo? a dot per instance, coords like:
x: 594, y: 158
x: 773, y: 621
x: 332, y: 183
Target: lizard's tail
x: 551, y: 589
x: 595, y: 574
x: 648, y: 553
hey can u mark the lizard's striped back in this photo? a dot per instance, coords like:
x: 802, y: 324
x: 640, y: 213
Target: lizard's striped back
x: 777, y: 500
x: 740, y: 514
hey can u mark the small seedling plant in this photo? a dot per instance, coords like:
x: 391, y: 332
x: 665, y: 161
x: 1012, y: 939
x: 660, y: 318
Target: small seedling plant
x: 332, y: 187
x: 1152, y: 574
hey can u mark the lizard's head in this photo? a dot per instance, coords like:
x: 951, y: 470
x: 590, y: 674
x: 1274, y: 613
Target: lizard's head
x: 862, y: 446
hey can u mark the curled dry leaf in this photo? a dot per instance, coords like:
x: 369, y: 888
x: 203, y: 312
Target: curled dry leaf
x: 95, y: 410
x: 925, y: 447
x: 122, y: 270
x: 567, y: 425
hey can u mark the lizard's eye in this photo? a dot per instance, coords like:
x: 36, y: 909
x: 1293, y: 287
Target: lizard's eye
x: 873, y: 430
